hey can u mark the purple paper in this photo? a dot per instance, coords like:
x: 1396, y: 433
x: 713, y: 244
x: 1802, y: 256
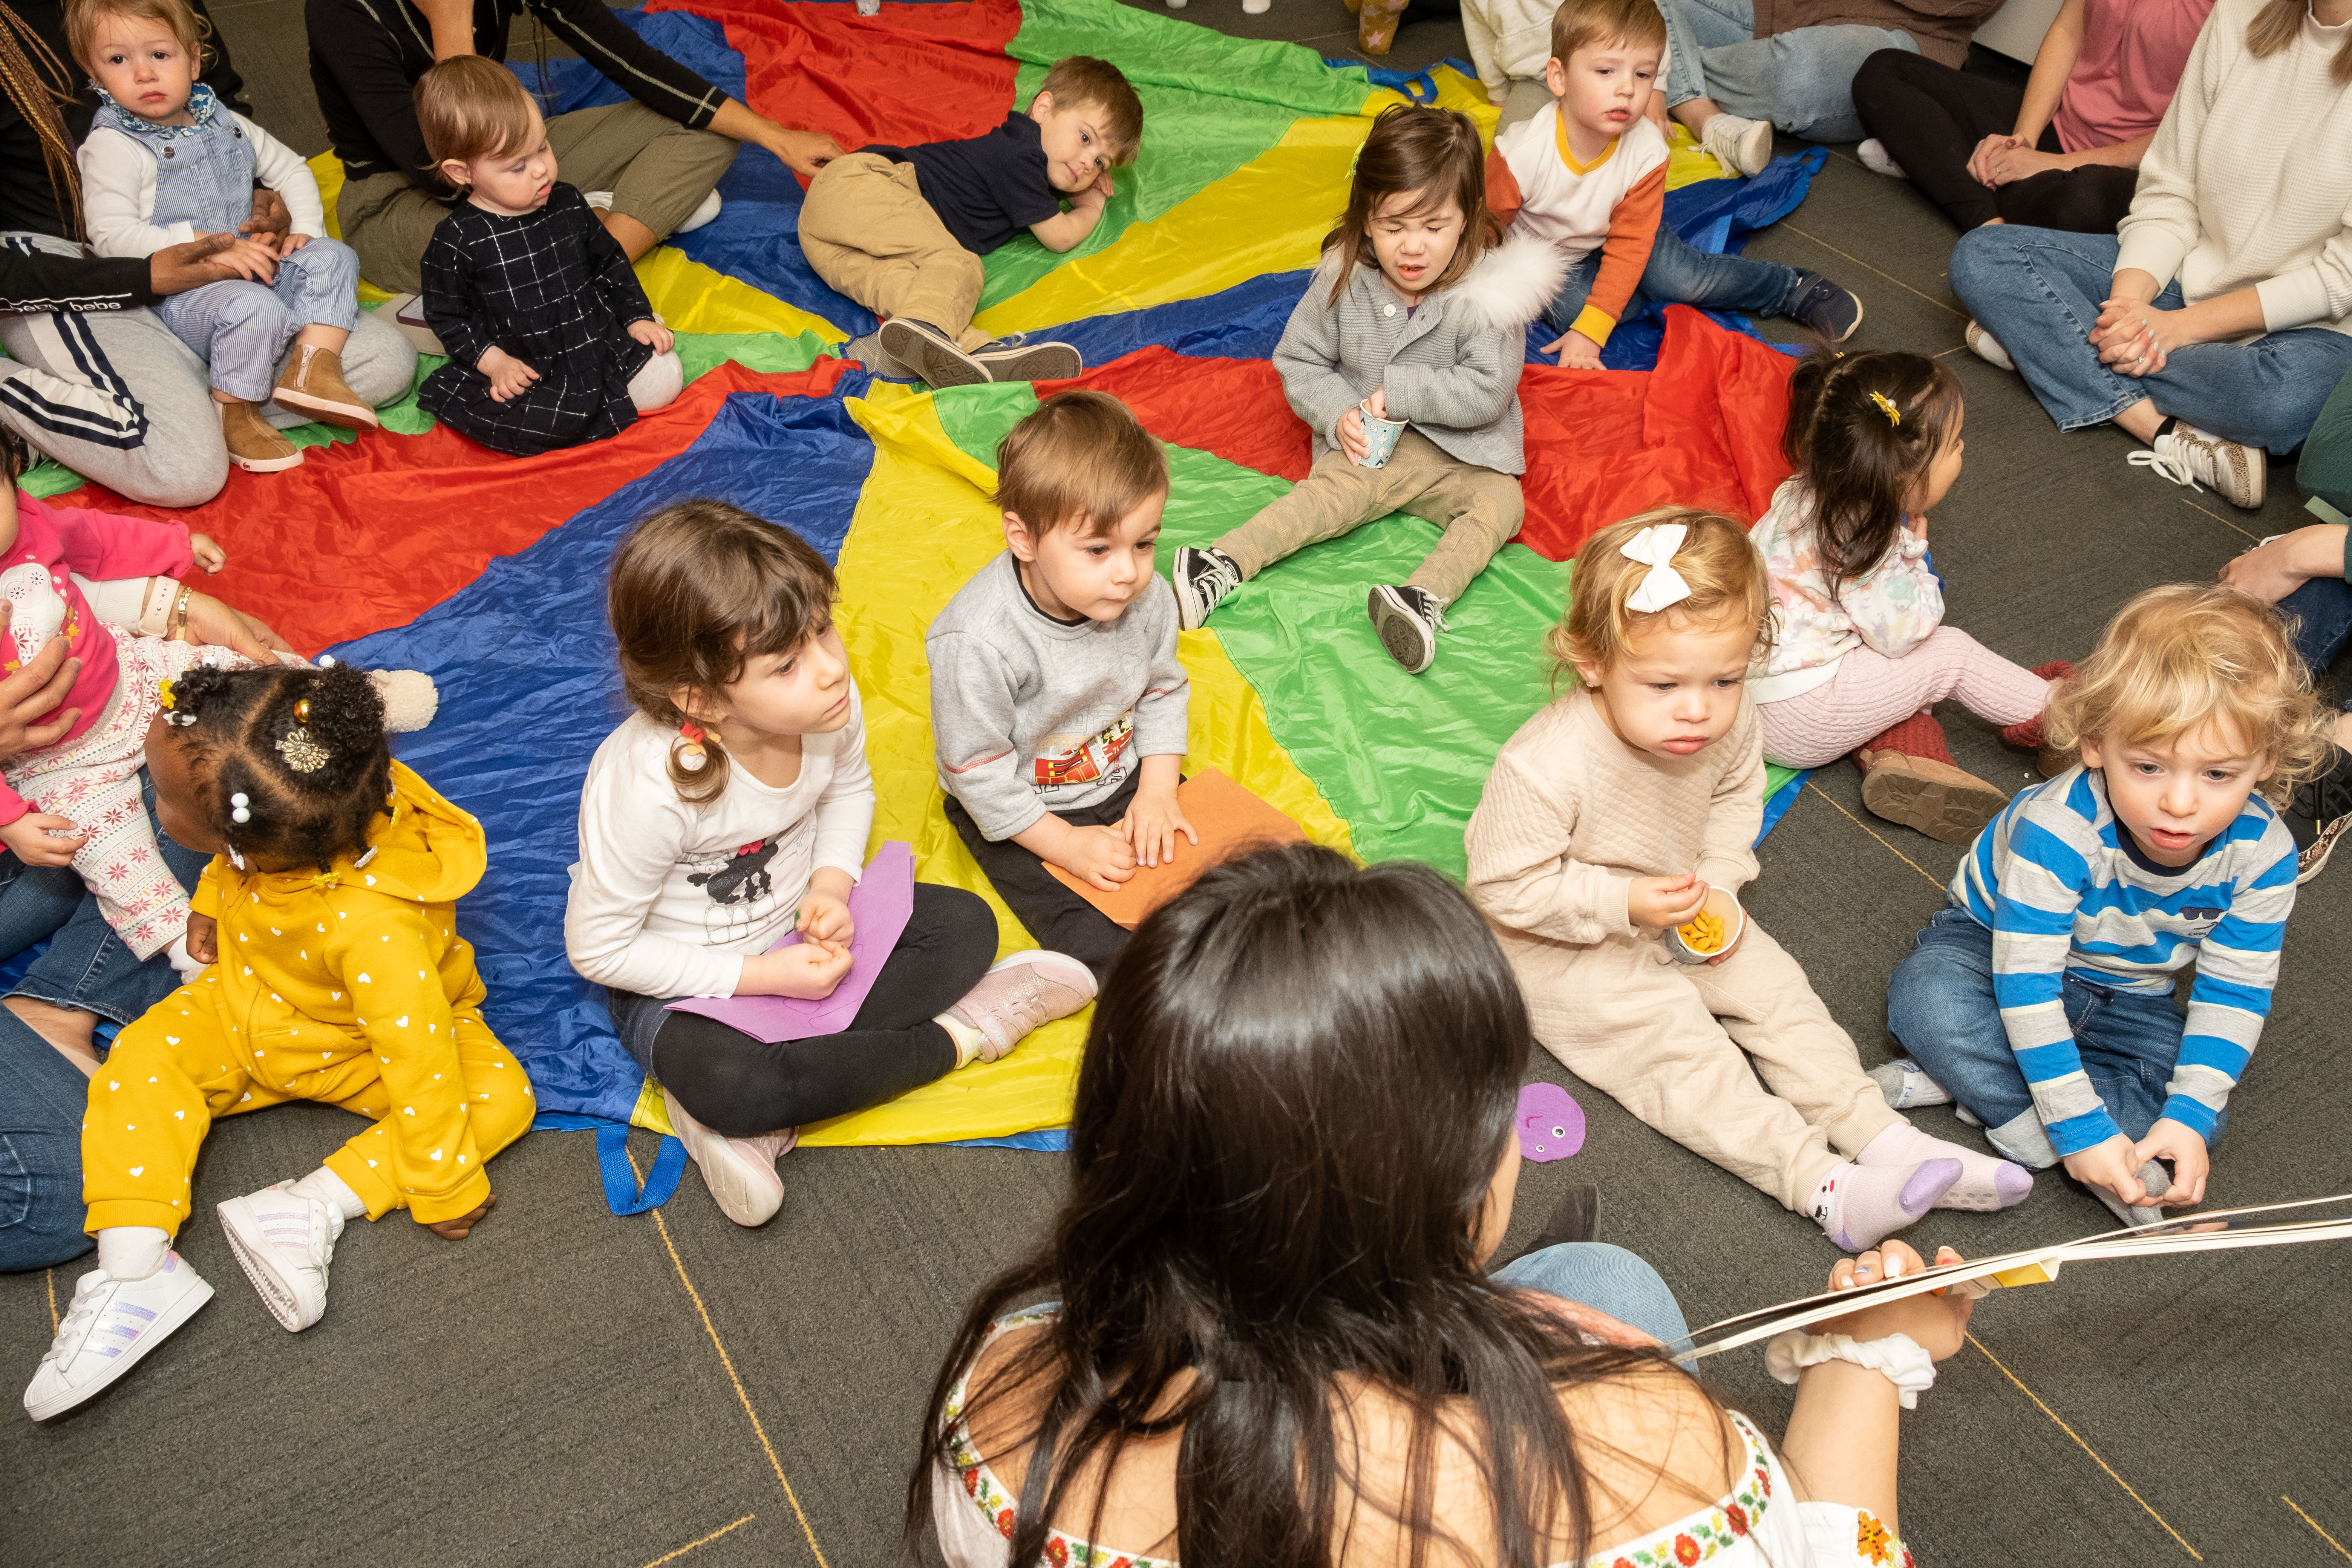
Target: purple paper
x: 1551, y: 1125
x: 880, y: 907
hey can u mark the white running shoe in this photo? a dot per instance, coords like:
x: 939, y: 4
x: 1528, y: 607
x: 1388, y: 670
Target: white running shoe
x: 1987, y: 347
x: 1025, y: 991
x: 110, y: 1324
x: 1741, y: 146
x: 739, y: 1171
x: 284, y: 1240
x: 2186, y: 454
x: 1873, y: 157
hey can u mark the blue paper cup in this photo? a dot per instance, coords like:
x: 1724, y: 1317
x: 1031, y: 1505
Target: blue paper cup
x: 1381, y: 435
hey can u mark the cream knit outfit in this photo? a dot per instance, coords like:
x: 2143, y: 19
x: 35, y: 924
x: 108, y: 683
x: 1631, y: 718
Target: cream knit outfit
x: 1569, y: 817
x: 2247, y: 184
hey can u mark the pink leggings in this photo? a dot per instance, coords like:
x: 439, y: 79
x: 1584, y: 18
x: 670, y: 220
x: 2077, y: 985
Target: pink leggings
x: 1870, y: 691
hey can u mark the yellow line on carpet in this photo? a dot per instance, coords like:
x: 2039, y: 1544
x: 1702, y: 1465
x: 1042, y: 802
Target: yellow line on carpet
x: 2217, y: 517
x: 1867, y: 828
x: 2087, y: 1448
x: 2315, y: 1524
x: 741, y: 1392
x: 49, y: 1278
x: 1858, y: 261
x: 674, y: 1556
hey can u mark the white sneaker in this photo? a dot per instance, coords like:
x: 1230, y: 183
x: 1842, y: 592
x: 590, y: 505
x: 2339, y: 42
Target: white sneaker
x: 1025, y: 991
x: 701, y: 215
x: 112, y: 1323
x: 1741, y: 146
x: 1987, y: 347
x: 284, y: 1240
x: 1873, y: 157
x: 2186, y: 455
x: 739, y: 1171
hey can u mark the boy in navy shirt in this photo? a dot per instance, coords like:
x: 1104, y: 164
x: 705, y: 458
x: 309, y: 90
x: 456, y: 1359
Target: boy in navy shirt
x: 901, y: 229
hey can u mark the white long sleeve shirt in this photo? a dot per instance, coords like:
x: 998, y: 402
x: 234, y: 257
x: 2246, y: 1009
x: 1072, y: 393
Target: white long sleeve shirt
x: 667, y: 896
x: 118, y: 190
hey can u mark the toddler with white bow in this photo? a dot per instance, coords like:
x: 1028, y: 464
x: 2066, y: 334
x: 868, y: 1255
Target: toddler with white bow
x: 1610, y: 819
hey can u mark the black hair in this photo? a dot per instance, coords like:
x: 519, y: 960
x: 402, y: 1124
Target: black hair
x: 1863, y: 428
x: 305, y: 747
x: 1301, y: 1078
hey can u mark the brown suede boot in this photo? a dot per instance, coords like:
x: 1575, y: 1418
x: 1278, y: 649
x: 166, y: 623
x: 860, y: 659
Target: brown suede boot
x: 313, y: 385
x: 253, y: 445
x: 1376, y: 25
x: 2027, y: 736
x: 1908, y: 776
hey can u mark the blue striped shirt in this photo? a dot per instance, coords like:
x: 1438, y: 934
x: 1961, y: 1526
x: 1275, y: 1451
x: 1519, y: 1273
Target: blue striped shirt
x: 2064, y: 890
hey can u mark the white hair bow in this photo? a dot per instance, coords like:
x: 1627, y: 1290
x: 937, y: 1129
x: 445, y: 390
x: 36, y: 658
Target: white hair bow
x: 1662, y: 586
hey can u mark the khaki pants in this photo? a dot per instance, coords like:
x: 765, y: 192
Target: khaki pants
x: 657, y: 170
x: 1671, y: 1042
x: 1479, y: 509
x: 868, y: 232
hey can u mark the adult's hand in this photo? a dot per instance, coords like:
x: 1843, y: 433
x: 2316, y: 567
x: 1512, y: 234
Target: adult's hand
x: 32, y: 694
x: 270, y: 220
x: 2019, y: 161
x: 212, y: 624
x: 1980, y: 160
x: 2278, y: 567
x: 803, y: 151
x: 176, y: 268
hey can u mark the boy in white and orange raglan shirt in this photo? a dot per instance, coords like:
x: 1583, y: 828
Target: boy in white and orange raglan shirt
x: 1589, y: 173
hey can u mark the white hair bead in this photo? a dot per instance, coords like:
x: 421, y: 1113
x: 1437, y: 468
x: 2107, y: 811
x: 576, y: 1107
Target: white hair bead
x: 238, y: 807
x: 326, y: 661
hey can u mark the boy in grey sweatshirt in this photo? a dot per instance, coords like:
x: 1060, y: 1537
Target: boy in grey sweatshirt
x: 1058, y: 704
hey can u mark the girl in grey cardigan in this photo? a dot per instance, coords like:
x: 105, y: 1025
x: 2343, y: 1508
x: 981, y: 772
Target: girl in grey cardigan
x: 1404, y: 358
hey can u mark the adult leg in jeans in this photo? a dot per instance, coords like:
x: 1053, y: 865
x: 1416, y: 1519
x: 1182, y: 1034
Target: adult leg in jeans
x: 1802, y: 81
x: 1693, y: 25
x: 43, y: 1099
x: 1930, y: 119
x: 2321, y: 609
x: 1607, y: 1279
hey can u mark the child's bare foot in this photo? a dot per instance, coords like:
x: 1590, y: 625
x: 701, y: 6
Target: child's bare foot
x: 461, y: 1227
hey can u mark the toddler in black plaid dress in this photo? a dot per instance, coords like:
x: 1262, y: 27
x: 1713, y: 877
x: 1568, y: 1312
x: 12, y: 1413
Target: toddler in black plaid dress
x: 552, y: 340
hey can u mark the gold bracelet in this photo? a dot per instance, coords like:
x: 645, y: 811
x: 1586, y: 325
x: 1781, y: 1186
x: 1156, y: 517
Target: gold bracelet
x: 180, y: 614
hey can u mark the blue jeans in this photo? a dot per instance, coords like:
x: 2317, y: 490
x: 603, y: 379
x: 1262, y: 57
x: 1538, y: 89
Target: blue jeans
x: 2321, y: 609
x: 1802, y: 80
x: 2038, y: 290
x: 1680, y: 274
x: 1607, y: 1279
x: 1941, y: 1006
x: 43, y: 1097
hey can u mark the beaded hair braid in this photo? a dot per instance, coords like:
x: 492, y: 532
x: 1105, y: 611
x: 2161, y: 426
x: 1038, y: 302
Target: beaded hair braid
x: 37, y: 90
x: 292, y: 762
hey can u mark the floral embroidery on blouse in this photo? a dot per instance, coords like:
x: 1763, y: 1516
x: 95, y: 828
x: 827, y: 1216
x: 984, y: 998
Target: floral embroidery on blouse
x: 1871, y: 1542
x: 1892, y: 608
x: 1699, y: 1536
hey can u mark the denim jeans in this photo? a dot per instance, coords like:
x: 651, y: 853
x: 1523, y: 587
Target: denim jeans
x: 2038, y: 290
x: 1941, y: 1006
x: 2321, y: 609
x: 1680, y: 274
x: 1802, y: 80
x: 1607, y: 1279
x: 43, y: 1097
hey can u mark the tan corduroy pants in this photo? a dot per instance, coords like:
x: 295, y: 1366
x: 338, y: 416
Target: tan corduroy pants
x: 868, y: 232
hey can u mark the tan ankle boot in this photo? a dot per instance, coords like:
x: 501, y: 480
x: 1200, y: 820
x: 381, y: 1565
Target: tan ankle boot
x: 253, y: 445
x: 313, y: 385
x: 1937, y: 798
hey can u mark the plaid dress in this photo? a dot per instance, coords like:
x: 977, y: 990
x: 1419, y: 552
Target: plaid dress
x: 553, y: 289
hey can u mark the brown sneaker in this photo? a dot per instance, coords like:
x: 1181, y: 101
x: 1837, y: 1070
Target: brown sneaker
x: 313, y: 385
x: 1937, y: 798
x: 253, y: 445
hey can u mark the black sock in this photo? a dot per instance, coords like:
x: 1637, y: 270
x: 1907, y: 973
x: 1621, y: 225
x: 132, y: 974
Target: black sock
x: 2162, y: 431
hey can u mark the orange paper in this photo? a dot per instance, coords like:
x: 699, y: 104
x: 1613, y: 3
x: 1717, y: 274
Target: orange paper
x: 1229, y: 819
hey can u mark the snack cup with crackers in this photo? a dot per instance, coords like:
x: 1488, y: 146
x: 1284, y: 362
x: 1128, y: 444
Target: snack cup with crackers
x: 1714, y: 929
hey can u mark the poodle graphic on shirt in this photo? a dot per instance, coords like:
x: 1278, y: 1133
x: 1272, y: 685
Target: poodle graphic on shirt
x: 741, y: 886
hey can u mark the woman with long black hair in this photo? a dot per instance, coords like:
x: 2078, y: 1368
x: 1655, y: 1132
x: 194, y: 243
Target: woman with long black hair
x: 1274, y: 1339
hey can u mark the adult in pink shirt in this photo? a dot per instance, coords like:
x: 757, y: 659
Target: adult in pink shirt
x: 2064, y: 153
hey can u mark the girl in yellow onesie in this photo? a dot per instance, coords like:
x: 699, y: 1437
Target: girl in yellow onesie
x: 336, y: 973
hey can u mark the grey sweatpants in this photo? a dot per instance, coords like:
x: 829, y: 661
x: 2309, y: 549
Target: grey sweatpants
x: 117, y: 397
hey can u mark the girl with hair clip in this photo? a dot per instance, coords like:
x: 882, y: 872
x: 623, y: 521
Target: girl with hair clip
x: 1273, y: 1335
x: 1610, y: 819
x: 1859, y: 652
x: 732, y: 809
x: 1415, y: 322
x: 328, y: 918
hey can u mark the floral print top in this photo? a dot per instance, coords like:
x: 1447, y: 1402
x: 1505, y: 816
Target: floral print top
x: 1891, y: 609
x: 1758, y: 1524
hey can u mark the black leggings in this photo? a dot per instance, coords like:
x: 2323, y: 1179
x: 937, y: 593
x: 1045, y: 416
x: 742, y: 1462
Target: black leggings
x: 740, y: 1087
x: 1061, y: 920
x: 1931, y: 117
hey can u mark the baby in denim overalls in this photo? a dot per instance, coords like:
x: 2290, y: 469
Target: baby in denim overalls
x: 164, y: 163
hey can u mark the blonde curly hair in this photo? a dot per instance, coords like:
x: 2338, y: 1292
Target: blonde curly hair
x: 2177, y: 659
x: 1725, y: 574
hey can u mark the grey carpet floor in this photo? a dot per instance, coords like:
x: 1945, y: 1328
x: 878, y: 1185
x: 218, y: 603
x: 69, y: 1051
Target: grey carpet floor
x: 571, y: 1388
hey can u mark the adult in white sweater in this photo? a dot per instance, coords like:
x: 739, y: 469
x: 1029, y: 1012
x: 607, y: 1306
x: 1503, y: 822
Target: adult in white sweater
x: 2215, y: 322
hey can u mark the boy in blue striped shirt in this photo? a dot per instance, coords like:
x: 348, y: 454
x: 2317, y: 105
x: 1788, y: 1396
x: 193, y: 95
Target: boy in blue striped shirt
x: 2041, y: 997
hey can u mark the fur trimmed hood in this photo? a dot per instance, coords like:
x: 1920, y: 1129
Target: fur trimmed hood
x: 1511, y: 285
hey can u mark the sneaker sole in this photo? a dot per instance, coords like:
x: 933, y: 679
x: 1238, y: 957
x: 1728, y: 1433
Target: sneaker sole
x: 2313, y: 859
x: 350, y: 416
x: 2251, y: 483
x: 935, y: 362
x: 266, y: 1283
x: 267, y: 465
x: 1946, y: 810
x: 1044, y: 361
x: 734, y: 1185
x: 166, y: 1324
x: 1855, y: 325
x: 1404, y: 635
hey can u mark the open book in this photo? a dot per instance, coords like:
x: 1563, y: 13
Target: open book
x: 2272, y: 1224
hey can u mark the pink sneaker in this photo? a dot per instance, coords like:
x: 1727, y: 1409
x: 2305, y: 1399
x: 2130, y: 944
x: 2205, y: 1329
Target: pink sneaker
x: 739, y: 1171
x: 1021, y: 994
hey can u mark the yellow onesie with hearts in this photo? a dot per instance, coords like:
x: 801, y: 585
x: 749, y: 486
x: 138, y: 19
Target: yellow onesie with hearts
x: 351, y: 987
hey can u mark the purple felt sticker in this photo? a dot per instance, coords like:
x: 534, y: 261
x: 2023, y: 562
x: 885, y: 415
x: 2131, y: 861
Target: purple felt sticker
x: 879, y: 907
x: 1551, y: 1125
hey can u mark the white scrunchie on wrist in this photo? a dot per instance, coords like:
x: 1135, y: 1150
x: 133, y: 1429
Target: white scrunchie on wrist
x: 1898, y: 1357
